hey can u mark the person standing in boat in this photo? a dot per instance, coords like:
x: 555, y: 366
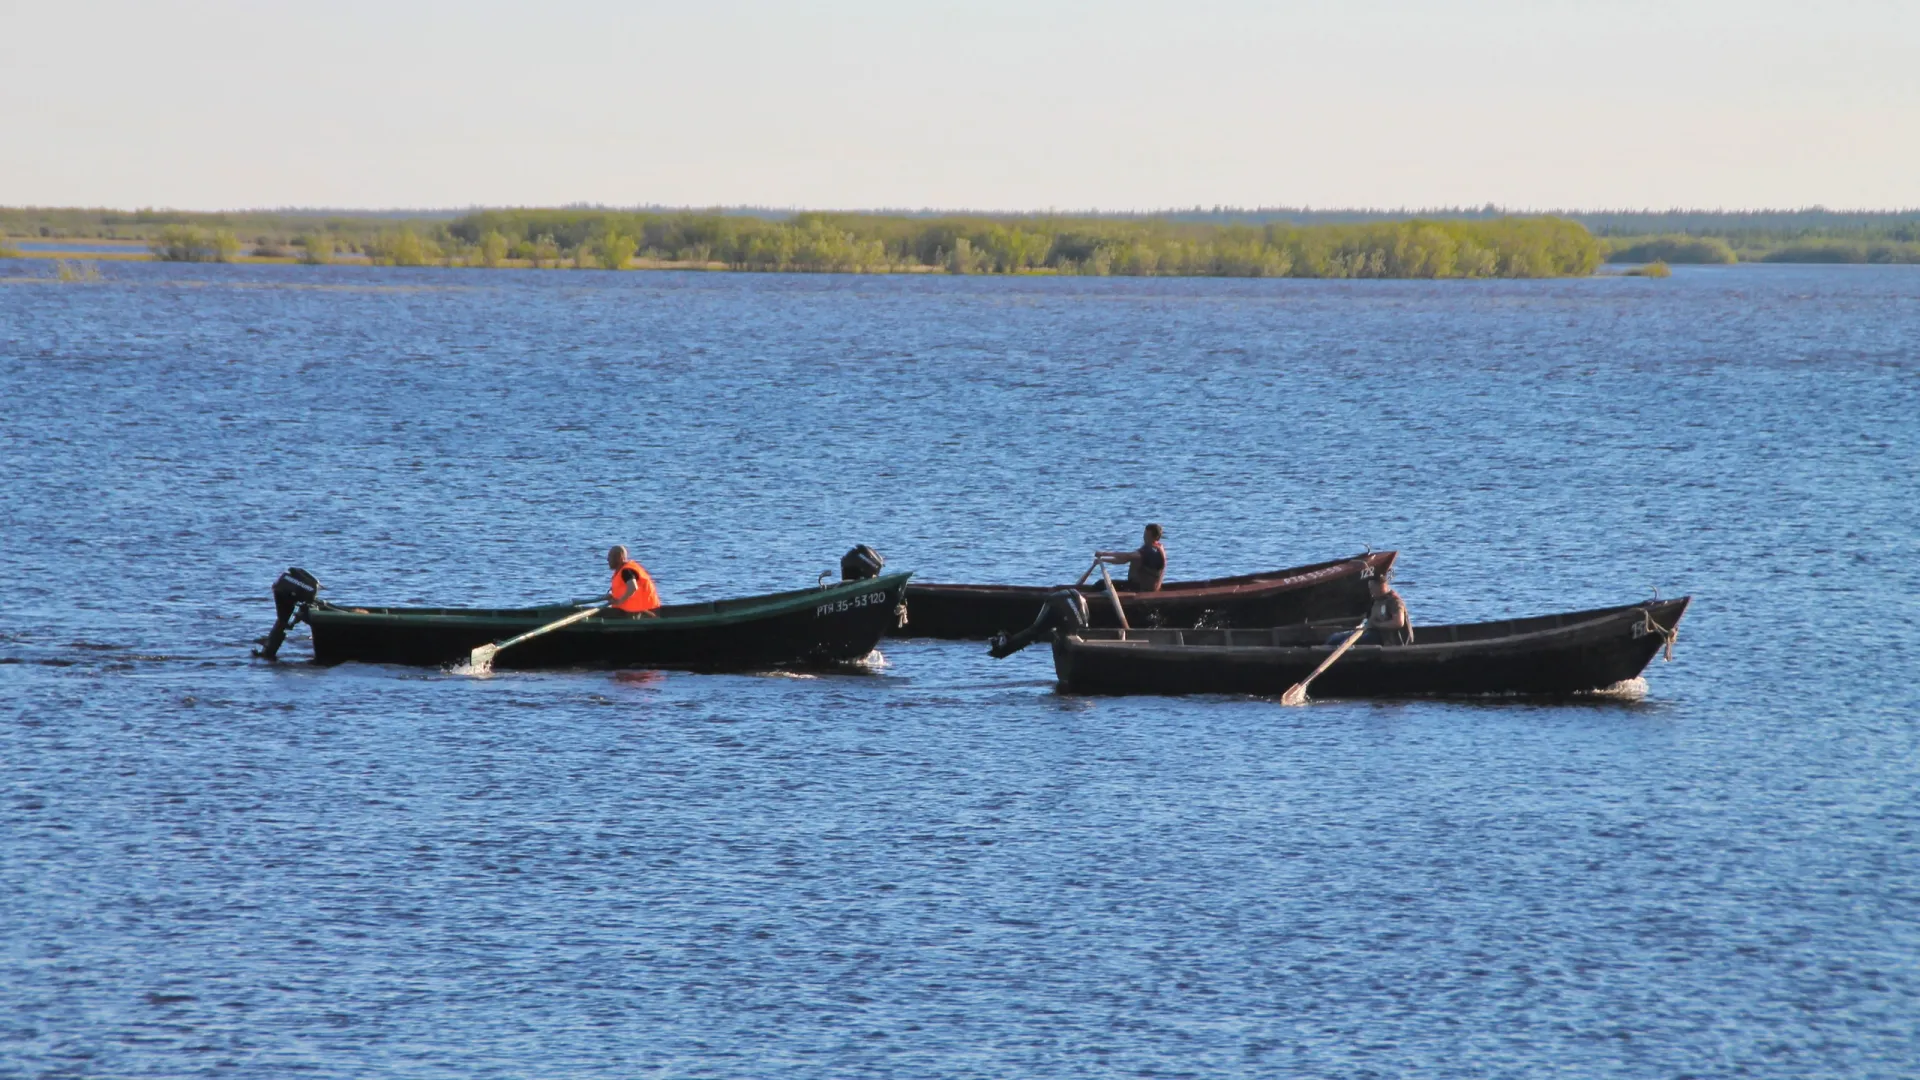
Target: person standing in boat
x: 1146, y: 567
x: 632, y: 590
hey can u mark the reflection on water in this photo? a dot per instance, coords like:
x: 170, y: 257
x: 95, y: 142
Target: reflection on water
x: 80, y: 247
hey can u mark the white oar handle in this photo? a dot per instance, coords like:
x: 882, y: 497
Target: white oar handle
x: 1113, y: 594
x: 568, y: 621
x: 481, y: 659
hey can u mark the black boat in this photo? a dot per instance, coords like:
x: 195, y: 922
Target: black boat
x: 831, y: 624
x: 1327, y: 590
x: 1549, y: 655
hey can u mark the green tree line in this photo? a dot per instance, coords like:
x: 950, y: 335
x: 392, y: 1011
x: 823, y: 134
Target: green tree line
x: 1295, y: 242
x: 1794, y: 236
x: 258, y: 226
x: 1677, y: 248
x: 1684, y: 248
x: 1501, y: 247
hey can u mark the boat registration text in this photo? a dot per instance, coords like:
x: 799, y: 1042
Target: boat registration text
x: 849, y: 604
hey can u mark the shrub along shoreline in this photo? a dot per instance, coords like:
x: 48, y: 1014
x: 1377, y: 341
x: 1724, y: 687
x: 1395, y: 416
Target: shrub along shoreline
x: 1294, y: 242
x: 1413, y: 248
x: 1511, y: 247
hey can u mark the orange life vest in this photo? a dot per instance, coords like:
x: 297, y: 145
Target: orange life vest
x: 643, y: 598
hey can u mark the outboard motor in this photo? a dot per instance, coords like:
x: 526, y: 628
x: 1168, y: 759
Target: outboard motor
x: 861, y: 563
x: 1065, y: 610
x: 292, y: 592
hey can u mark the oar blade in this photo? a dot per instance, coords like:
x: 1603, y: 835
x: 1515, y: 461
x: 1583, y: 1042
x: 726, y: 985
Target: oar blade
x: 481, y: 659
x: 1297, y: 693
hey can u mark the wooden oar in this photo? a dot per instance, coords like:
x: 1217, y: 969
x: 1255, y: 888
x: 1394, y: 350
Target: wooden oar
x: 1088, y: 574
x: 1297, y: 693
x: 482, y: 657
x: 1113, y: 594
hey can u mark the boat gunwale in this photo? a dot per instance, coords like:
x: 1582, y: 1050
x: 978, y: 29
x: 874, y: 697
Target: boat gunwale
x: 1111, y: 640
x: 714, y: 612
x: 1280, y: 580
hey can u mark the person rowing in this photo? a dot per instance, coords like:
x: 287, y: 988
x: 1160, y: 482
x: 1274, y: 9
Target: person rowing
x: 1146, y: 565
x: 631, y: 592
x: 1387, y: 617
x: 1387, y: 620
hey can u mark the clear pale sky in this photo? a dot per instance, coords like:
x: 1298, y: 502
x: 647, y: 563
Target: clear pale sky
x: 985, y: 104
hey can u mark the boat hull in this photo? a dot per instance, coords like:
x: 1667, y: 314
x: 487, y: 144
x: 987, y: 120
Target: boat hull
x: 1551, y: 655
x: 1328, y: 590
x: 840, y: 623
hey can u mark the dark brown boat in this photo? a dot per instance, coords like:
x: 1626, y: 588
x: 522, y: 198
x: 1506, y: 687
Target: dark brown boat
x: 1549, y: 655
x: 826, y: 625
x: 1328, y: 590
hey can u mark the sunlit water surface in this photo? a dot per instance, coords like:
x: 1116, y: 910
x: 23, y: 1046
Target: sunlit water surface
x: 940, y: 867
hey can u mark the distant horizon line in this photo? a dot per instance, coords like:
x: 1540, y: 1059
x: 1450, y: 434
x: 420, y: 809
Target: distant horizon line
x: 1484, y: 209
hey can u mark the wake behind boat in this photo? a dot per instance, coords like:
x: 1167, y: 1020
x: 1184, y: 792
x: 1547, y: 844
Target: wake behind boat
x: 830, y: 624
x: 1549, y: 655
x: 1326, y: 590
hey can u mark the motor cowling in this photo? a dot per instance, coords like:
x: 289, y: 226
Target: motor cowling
x: 1069, y: 608
x: 296, y: 583
x: 861, y: 563
x: 293, y: 591
x: 1065, y: 610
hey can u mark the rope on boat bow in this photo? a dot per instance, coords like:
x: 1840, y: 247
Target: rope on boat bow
x: 1648, y: 625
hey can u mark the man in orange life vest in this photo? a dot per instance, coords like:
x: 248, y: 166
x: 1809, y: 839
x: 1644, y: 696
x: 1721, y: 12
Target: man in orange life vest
x: 632, y: 590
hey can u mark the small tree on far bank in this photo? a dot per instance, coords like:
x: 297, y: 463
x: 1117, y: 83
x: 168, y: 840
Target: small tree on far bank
x: 493, y: 250
x: 316, y: 249
x: 403, y: 248
x: 185, y: 243
x: 226, y: 246
x: 181, y: 243
x: 964, y: 259
x: 616, y: 249
x: 538, y: 252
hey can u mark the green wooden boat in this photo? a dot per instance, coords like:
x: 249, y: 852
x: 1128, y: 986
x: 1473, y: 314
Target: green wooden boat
x: 834, y: 623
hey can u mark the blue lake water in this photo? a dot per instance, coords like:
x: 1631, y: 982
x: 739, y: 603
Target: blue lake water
x: 80, y: 247
x: 942, y: 867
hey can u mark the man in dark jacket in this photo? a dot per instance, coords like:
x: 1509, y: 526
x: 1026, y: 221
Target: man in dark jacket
x: 1146, y: 567
x: 1387, y: 621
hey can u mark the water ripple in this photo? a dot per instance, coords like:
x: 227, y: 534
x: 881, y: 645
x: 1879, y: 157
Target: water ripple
x: 940, y: 866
